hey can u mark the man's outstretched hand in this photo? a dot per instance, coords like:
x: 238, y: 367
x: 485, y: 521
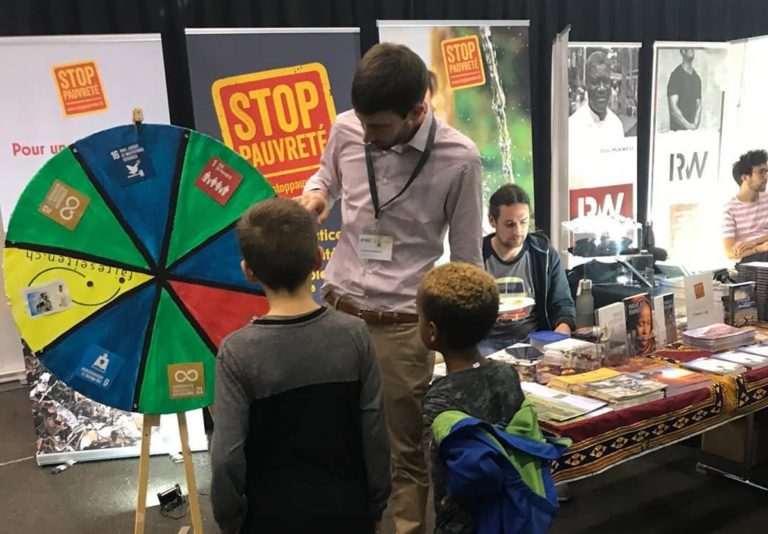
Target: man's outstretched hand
x: 314, y: 202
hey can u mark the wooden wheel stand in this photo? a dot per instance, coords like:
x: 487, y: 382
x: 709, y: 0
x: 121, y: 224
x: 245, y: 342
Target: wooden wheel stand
x: 151, y: 421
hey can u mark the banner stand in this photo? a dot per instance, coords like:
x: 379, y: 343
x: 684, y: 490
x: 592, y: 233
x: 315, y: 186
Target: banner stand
x: 74, y: 86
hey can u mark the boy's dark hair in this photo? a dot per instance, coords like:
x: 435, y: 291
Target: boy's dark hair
x: 506, y: 195
x: 463, y: 302
x: 747, y: 162
x: 390, y: 77
x: 278, y: 241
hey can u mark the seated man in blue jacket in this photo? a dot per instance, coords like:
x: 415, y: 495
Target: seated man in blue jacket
x: 533, y: 289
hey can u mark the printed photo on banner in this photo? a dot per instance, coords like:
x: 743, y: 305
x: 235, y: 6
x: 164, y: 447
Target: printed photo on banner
x: 605, y: 80
x: 480, y: 85
x: 602, y: 129
x: 689, y: 88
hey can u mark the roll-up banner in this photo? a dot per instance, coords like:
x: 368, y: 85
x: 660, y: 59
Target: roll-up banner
x: 690, y: 81
x: 602, y: 128
x: 57, y: 90
x: 275, y: 109
x: 480, y: 76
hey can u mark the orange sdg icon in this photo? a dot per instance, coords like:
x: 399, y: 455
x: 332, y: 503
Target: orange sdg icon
x: 80, y: 88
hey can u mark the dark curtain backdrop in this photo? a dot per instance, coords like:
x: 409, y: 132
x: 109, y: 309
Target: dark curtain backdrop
x: 645, y: 21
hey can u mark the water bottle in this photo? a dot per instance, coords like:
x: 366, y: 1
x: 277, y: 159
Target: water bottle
x: 585, y: 304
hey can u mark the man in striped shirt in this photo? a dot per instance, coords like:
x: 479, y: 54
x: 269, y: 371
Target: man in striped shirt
x: 745, y: 221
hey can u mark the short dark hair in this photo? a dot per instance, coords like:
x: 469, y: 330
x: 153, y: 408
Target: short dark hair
x: 507, y: 195
x: 278, y: 241
x: 390, y: 77
x: 747, y: 162
x: 463, y: 302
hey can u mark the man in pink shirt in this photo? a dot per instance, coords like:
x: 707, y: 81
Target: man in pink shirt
x: 404, y: 178
x: 745, y: 217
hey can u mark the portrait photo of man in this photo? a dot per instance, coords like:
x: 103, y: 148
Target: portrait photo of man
x: 684, y: 94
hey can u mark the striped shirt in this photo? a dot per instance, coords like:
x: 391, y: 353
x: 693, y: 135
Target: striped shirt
x: 746, y: 220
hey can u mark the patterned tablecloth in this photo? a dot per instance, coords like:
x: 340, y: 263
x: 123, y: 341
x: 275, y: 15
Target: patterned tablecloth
x: 605, y: 441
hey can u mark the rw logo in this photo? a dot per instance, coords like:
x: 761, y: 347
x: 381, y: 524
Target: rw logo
x: 682, y: 169
x: 609, y: 200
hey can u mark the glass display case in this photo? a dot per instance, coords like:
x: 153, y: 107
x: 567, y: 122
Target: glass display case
x: 599, y: 236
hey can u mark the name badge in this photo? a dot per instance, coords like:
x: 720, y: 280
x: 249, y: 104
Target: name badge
x: 375, y: 247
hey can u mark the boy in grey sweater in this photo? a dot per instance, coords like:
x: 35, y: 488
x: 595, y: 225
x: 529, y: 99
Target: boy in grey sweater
x: 300, y: 441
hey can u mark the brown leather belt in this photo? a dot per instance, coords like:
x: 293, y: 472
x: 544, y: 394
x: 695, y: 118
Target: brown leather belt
x: 370, y: 316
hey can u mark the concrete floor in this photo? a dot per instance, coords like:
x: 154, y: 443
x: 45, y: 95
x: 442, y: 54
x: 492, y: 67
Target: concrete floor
x: 659, y: 493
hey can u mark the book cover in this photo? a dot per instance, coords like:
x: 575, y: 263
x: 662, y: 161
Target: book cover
x: 700, y: 300
x: 658, y: 320
x: 670, y: 322
x: 641, y: 363
x: 677, y: 379
x: 760, y: 350
x: 750, y: 361
x: 740, y: 304
x: 620, y: 388
x: 641, y: 336
x: 557, y: 406
x: 715, y: 366
x: 567, y: 382
x: 612, y: 317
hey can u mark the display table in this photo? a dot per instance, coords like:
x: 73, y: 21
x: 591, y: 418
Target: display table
x: 613, y: 438
x: 608, y: 440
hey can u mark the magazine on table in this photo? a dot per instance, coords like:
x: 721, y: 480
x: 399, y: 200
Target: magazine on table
x: 557, y: 406
x: 677, y: 379
x: 622, y: 388
x: 715, y: 366
x: 760, y: 350
x: 750, y: 361
x: 567, y: 383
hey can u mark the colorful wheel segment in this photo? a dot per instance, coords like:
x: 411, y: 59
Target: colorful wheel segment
x: 122, y: 266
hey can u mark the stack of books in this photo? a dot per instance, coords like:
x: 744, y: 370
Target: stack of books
x: 719, y: 336
x: 558, y: 407
x: 677, y: 379
x: 617, y: 389
x: 756, y: 271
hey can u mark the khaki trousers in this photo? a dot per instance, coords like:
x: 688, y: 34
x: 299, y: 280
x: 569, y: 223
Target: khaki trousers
x: 406, y: 369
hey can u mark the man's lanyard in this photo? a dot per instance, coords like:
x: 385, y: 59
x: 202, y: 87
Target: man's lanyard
x: 420, y: 165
